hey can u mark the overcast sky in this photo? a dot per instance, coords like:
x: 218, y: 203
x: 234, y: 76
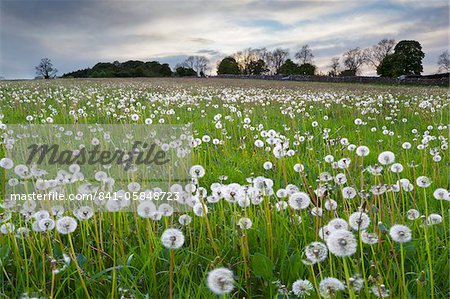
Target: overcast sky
x: 78, y: 34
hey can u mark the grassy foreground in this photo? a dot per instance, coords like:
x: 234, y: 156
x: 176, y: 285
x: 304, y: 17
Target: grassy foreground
x: 263, y: 143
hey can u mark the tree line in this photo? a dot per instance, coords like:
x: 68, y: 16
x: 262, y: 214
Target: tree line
x: 388, y: 58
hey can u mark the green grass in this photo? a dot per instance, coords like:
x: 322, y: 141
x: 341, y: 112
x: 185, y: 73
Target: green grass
x: 121, y: 251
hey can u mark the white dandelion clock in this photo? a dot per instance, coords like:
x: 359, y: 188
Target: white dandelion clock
x: 412, y: 214
x: 302, y: 287
x: 42, y: 214
x: 423, y: 181
x: 362, y: 151
x: 396, y: 168
x: 245, y: 223
x: 316, y: 252
x: 220, y: 281
x: 337, y: 224
x: 386, y: 158
x: 316, y: 211
x: 329, y: 286
x: 7, y: 228
x: 66, y: 225
x: 46, y: 224
x: 165, y: 209
x: 324, y: 232
x: 369, y: 238
x: 146, y: 208
x: 281, y: 205
x: 400, y: 233
x: 267, y: 165
x: 359, y: 221
x: 434, y: 219
x: 197, y: 171
x: 356, y: 283
x: 184, y: 219
x: 441, y: 194
x: 299, y: 167
x: 331, y: 205
x: 299, y: 201
x: 348, y: 192
x: 84, y: 213
x: 341, y: 243
x: 172, y: 238
x: 380, y: 291
x: 6, y: 163
x: 200, y: 209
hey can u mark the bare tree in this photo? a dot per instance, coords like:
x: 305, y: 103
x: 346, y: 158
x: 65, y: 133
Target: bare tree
x: 46, y: 69
x: 265, y: 56
x: 197, y: 63
x: 278, y: 57
x: 444, y: 62
x: 189, y: 62
x: 378, y: 52
x: 200, y: 64
x: 244, y: 57
x: 354, y: 59
x: 305, y: 55
x: 335, y: 66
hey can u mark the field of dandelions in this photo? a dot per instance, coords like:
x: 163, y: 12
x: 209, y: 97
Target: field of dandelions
x: 299, y: 190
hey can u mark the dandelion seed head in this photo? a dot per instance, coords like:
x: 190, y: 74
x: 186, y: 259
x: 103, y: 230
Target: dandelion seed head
x: 66, y: 225
x: 299, y: 200
x: 423, y: 181
x: 245, y: 223
x: 400, y: 233
x: 220, y: 281
x: 412, y: 214
x: 172, y: 238
x: 369, y: 238
x: 341, y: 243
x: 386, y: 158
x: 434, y: 219
x: 336, y: 224
x: 316, y: 252
x: 359, y: 221
x: 302, y: 287
x: 329, y: 286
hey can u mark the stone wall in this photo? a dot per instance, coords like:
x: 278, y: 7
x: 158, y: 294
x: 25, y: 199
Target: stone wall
x: 356, y: 79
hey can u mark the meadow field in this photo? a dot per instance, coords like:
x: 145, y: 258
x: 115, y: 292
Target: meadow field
x: 297, y: 190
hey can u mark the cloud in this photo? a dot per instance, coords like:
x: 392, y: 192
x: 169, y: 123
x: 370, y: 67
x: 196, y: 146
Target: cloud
x: 77, y: 34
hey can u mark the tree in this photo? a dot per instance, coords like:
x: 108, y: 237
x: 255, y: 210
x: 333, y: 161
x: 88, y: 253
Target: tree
x: 244, y: 57
x: 266, y: 56
x: 200, y: 64
x: 305, y: 55
x: 376, y: 53
x: 228, y: 65
x: 410, y: 55
x: 255, y: 67
x: 197, y: 63
x: 278, y: 57
x: 131, y: 68
x: 307, y: 69
x: 165, y: 70
x: 185, y: 72
x: 335, y: 67
x: 406, y: 60
x: 353, y: 60
x: 289, y: 68
x: 46, y: 69
x: 444, y: 62
x: 390, y: 66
